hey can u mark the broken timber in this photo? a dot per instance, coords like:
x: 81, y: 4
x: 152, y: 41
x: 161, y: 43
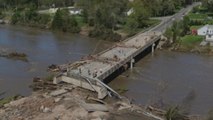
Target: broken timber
x: 90, y: 72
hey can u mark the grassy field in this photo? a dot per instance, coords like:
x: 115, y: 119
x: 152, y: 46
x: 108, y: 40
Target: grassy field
x: 198, y: 16
x: 191, y: 39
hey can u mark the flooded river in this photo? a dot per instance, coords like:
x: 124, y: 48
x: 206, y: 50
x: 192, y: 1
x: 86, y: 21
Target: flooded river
x: 166, y: 77
x: 171, y: 78
x: 43, y: 48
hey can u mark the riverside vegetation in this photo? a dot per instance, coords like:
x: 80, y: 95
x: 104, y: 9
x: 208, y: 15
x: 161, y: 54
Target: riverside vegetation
x: 106, y: 19
x: 180, y: 33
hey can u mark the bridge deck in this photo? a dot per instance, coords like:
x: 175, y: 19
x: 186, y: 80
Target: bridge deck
x: 105, y: 63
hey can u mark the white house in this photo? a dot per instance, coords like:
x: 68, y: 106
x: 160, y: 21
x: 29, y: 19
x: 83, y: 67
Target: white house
x: 72, y: 10
x: 207, y: 31
x: 75, y: 11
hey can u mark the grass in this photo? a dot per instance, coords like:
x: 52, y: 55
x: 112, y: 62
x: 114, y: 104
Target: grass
x: 191, y: 39
x: 80, y: 20
x: 189, y: 43
x: 198, y: 16
x: 6, y: 100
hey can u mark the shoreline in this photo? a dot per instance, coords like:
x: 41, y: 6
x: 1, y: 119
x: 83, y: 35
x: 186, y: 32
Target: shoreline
x: 78, y: 103
x: 74, y: 103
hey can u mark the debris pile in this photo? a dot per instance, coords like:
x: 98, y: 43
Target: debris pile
x: 13, y: 55
x: 69, y: 103
x: 42, y: 85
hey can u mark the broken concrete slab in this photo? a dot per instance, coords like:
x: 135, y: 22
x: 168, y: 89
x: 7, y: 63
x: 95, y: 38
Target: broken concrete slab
x: 123, y: 105
x: 98, y: 115
x: 46, y: 110
x: 95, y: 107
x: 96, y: 100
x: 58, y: 92
x: 56, y: 100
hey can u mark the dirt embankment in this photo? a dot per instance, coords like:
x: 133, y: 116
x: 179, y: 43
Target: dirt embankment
x: 68, y: 102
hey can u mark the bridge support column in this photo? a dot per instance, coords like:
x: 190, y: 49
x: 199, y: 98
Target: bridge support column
x: 153, y: 48
x: 131, y: 63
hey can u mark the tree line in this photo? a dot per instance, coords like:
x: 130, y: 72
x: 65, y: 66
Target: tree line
x: 104, y: 16
x: 7, y: 4
x: 109, y: 15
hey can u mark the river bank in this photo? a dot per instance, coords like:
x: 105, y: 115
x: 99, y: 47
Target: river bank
x: 58, y: 46
x: 67, y: 102
x: 70, y: 102
x: 189, y: 47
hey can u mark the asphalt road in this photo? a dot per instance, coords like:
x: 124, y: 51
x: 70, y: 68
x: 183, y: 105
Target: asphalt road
x: 167, y: 21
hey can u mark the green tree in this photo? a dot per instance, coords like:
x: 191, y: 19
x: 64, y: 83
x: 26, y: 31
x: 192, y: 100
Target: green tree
x: 63, y: 21
x: 185, y: 25
x: 140, y: 13
x: 175, y: 31
x: 16, y: 17
x: 57, y: 22
x: 168, y: 7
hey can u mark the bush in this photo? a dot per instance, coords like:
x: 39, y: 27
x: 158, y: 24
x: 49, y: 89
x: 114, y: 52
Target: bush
x: 196, y: 9
x: 63, y: 21
x: 105, y: 34
x: 30, y: 17
x: 16, y: 17
x: 197, y: 22
x: 1, y: 15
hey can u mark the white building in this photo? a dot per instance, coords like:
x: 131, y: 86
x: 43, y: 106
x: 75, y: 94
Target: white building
x: 207, y: 31
x: 75, y: 11
x: 72, y: 10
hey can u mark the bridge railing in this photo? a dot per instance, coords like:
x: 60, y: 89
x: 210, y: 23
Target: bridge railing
x: 126, y: 60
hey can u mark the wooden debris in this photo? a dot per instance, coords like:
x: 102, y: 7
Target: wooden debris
x: 53, y: 68
x: 40, y: 84
x: 97, y: 100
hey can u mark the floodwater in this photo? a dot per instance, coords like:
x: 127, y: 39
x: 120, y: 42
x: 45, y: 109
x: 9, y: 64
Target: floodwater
x: 169, y: 79
x: 165, y: 78
x: 43, y: 49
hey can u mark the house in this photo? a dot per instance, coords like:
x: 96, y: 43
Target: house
x: 72, y: 10
x: 75, y: 11
x: 207, y: 31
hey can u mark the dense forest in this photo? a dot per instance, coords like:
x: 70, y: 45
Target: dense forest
x: 103, y: 16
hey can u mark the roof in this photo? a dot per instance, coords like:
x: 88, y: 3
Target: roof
x: 210, y: 26
x: 207, y: 26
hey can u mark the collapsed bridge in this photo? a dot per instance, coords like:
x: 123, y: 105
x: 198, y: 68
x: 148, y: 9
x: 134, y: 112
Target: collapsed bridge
x: 90, y: 72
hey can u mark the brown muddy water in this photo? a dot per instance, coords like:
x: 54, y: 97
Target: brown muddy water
x: 165, y: 78
x: 43, y: 49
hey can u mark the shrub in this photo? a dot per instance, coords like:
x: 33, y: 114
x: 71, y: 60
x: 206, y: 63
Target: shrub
x: 63, y: 21
x: 105, y: 34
